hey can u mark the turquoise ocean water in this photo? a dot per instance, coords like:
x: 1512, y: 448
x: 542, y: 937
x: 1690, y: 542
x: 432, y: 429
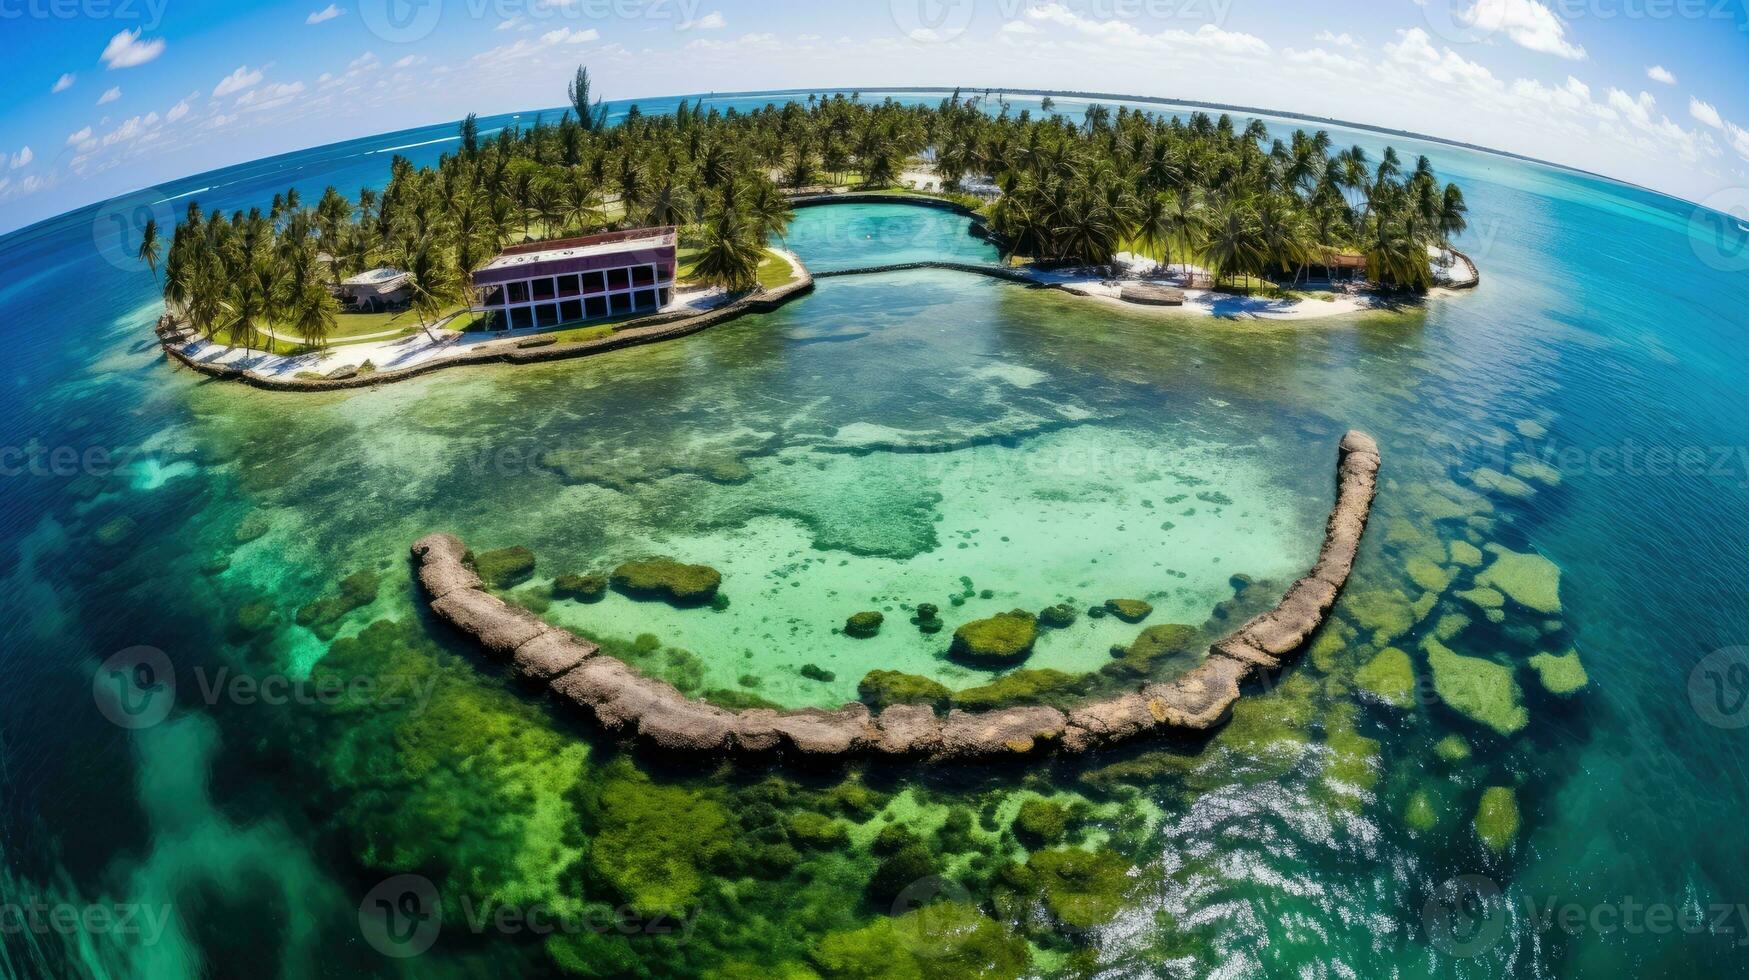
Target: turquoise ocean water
x: 889, y: 440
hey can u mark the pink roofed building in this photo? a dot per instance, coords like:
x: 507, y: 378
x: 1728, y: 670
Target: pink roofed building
x: 577, y: 280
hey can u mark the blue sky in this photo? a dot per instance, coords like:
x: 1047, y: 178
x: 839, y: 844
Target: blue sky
x: 102, y: 97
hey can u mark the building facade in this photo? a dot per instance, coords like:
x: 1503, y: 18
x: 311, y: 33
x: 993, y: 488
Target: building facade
x: 577, y: 280
x: 376, y: 289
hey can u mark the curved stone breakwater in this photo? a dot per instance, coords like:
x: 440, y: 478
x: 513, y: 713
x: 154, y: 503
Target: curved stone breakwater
x: 627, y: 703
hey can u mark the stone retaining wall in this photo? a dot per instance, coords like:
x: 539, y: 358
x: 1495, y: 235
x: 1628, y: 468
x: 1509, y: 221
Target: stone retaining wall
x: 626, y: 703
x: 648, y: 330
x: 991, y: 271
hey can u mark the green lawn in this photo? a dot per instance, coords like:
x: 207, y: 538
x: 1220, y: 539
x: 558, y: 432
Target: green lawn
x: 349, y: 325
x: 262, y: 342
x: 774, y: 270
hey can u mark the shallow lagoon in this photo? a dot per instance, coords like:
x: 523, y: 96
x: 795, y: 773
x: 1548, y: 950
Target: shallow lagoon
x: 850, y: 444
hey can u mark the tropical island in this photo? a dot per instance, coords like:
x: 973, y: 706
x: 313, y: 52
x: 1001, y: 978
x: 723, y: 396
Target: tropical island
x: 574, y: 238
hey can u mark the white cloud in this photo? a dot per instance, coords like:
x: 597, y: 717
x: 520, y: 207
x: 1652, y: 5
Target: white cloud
x: 325, y: 14
x: 713, y: 21
x: 1207, y: 37
x: 132, y: 129
x: 1019, y: 27
x: 762, y: 42
x: 63, y: 83
x: 177, y: 111
x: 1642, y: 114
x: 113, y: 93
x: 409, y: 61
x: 269, y: 96
x: 1705, y: 113
x: 1343, y: 40
x: 1739, y: 139
x: 1328, y: 61
x: 1415, y: 50
x: 22, y: 158
x: 126, y: 50
x: 1659, y: 73
x: 565, y: 35
x: 73, y: 139
x: 237, y: 81
x: 1527, y: 22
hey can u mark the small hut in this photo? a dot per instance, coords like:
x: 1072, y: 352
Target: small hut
x: 376, y: 289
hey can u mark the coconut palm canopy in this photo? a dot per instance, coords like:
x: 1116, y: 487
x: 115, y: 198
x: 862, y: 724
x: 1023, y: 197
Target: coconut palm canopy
x: 1240, y: 200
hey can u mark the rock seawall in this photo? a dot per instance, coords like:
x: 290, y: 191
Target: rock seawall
x: 626, y: 703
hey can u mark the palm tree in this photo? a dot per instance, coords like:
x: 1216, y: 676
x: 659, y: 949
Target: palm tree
x: 1186, y: 221
x: 1283, y: 232
x: 770, y: 213
x: 1453, y: 214
x: 591, y: 116
x: 730, y: 252
x: 431, y: 282
x: 1153, y: 224
x: 313, y: 311
x: 582, y: 203
x: 1235, y: 242
x: 150, y: 247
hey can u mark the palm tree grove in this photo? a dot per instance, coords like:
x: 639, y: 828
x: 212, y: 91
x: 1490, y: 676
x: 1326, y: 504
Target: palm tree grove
x: 1241, y: 204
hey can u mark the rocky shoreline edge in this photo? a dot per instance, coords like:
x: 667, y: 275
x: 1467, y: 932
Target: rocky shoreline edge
x: 649, y: 330
x: 626, y: 703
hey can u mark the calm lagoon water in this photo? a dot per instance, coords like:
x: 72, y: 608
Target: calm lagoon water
x: 886, y: 441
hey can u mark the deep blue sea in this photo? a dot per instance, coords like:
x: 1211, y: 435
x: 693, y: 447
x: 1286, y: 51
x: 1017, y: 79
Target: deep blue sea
x: 1586, y: 404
